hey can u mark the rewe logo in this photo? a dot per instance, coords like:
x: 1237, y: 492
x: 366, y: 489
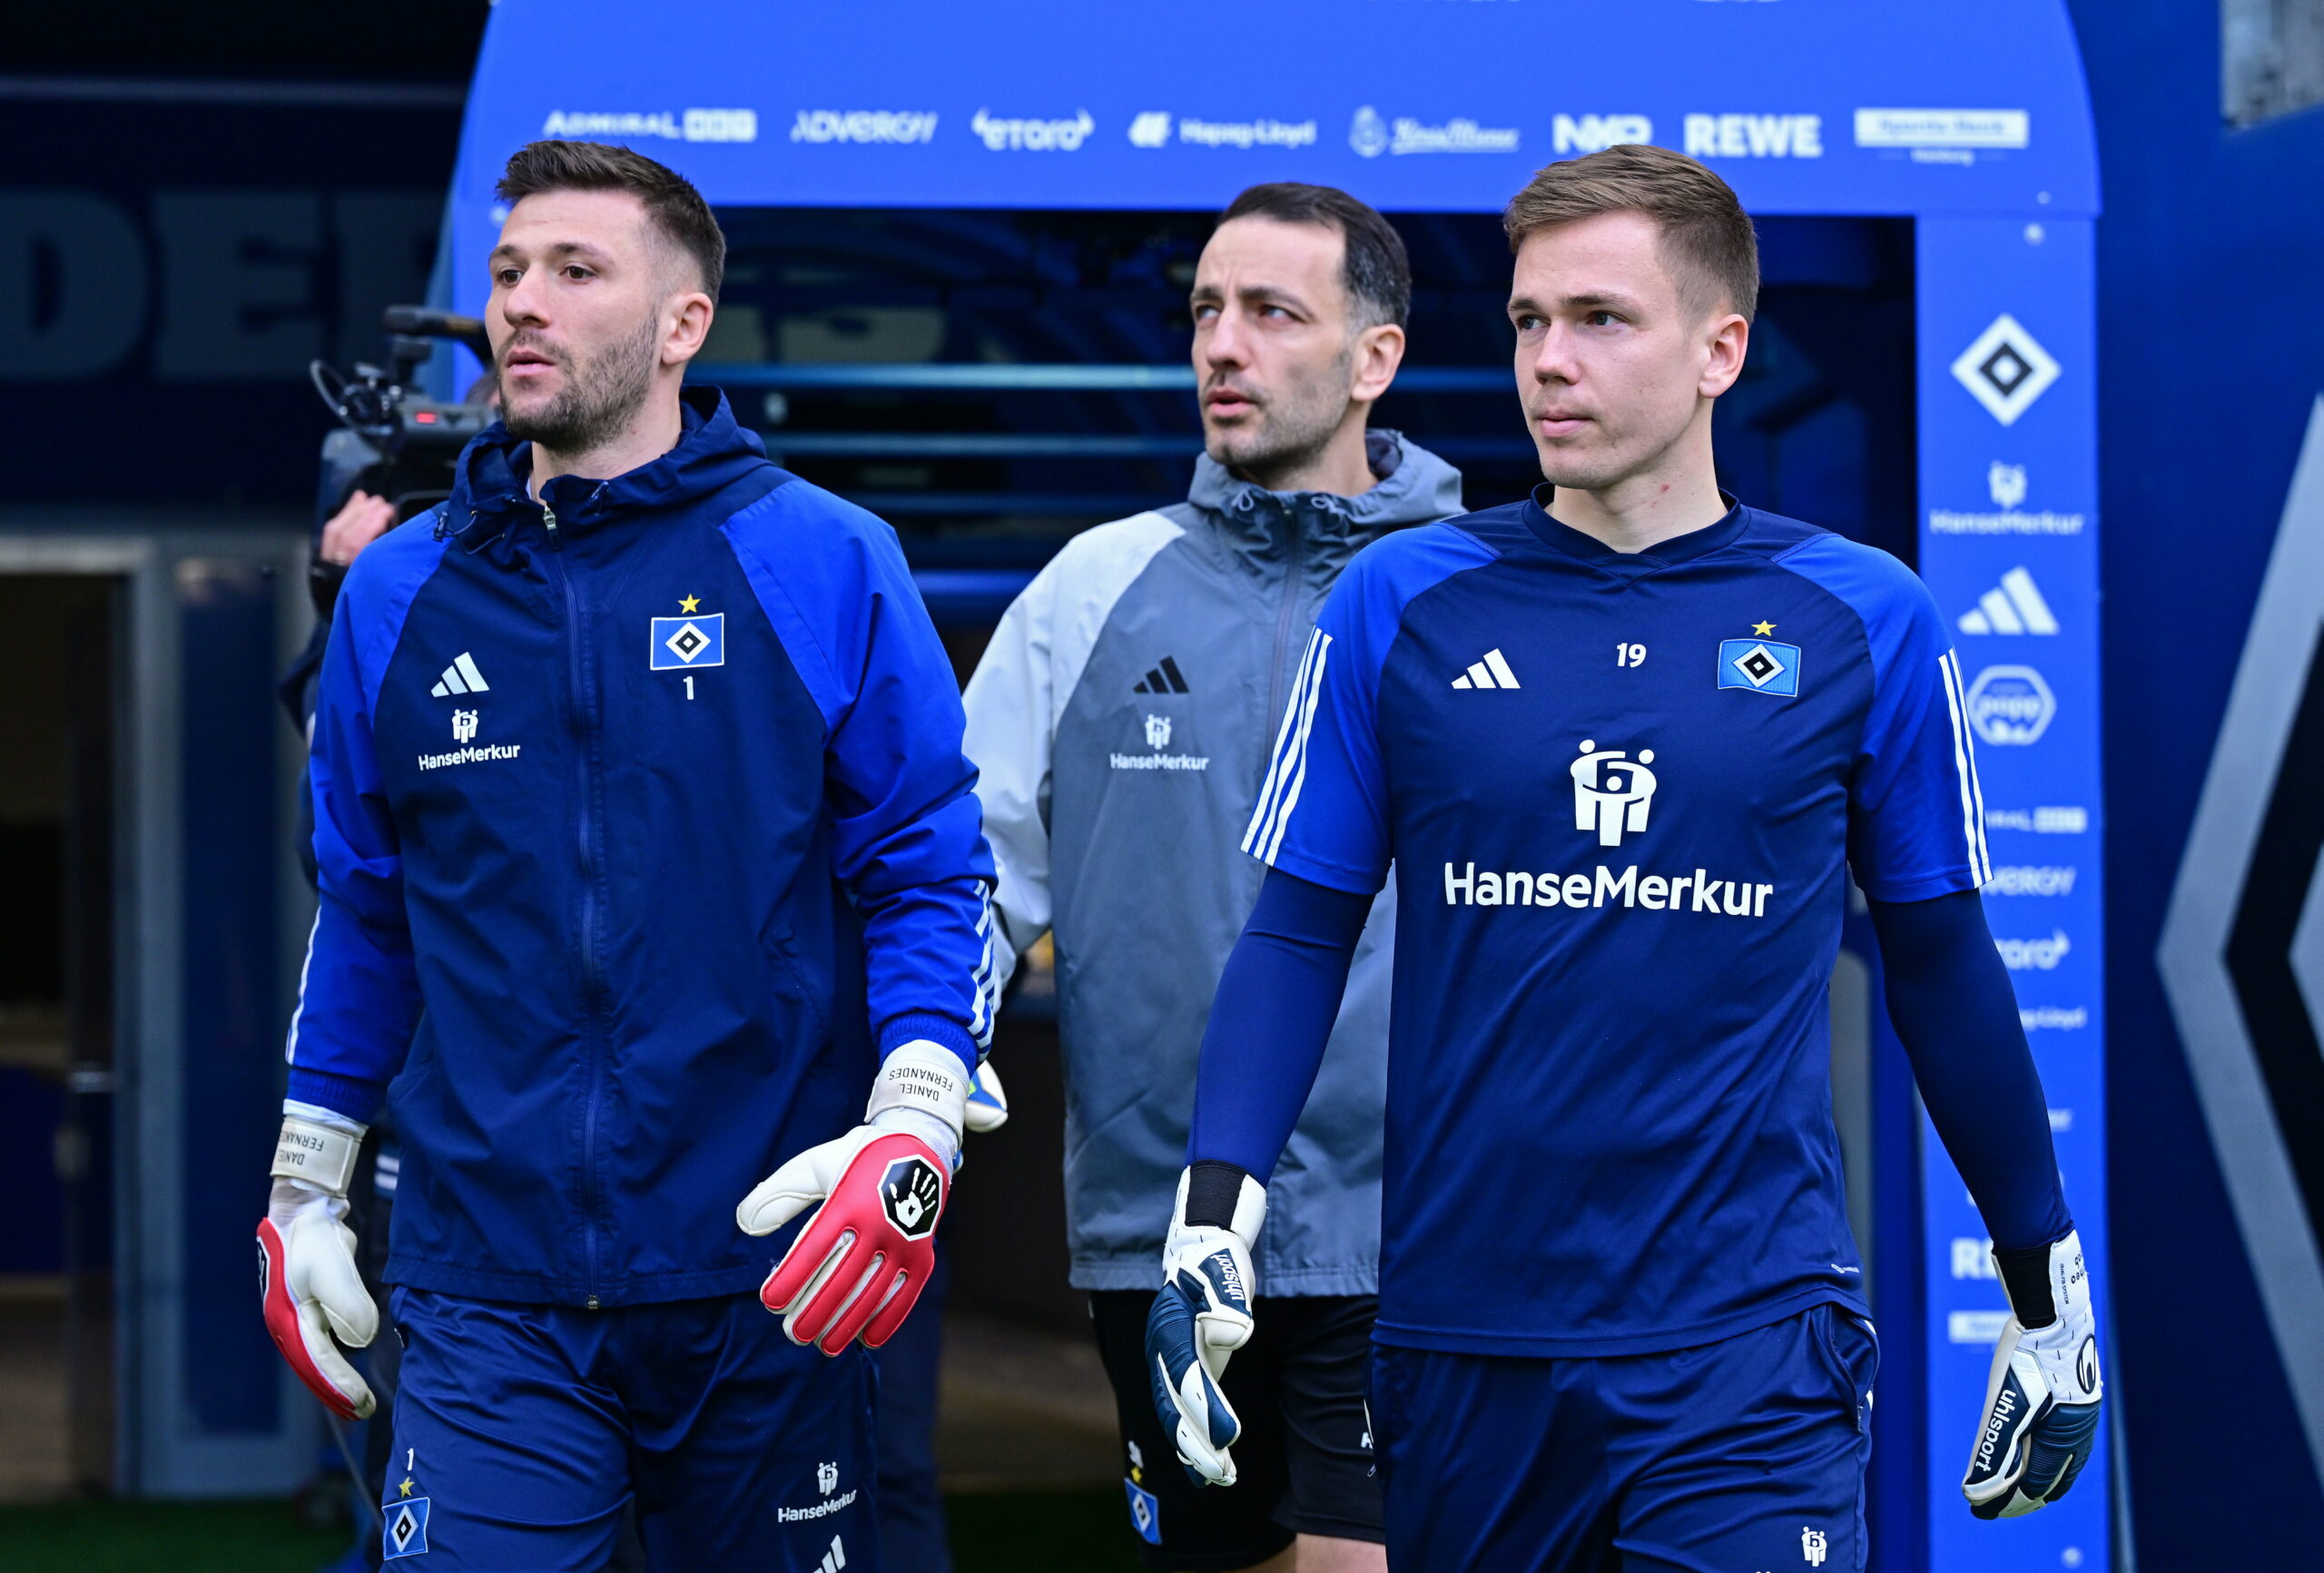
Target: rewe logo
x: 1611, y: 793
x: 2014, y: 606
x: 461, y: 677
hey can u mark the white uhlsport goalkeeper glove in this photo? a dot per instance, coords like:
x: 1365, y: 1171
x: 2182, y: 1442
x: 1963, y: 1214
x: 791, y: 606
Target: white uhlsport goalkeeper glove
x: 857, y: 1267
x: 1203, y: 1314
x: 307, y: 1280
x: 2041, y: 1414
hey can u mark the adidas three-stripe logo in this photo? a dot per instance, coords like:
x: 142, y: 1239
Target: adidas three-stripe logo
x: 1165, y: 678
x: 461, y: 677
x: 2015, y: 606
x: 1492, y: 672
x: 833, y: 1560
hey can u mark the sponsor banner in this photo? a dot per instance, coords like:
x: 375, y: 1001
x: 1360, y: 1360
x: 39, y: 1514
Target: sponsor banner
x: 792, y: 110
x: 2009, y: 552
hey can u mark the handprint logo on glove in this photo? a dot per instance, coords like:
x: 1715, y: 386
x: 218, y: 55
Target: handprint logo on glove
x: 909, y: 1193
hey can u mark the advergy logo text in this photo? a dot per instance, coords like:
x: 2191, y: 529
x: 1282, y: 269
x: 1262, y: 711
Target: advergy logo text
x: 682, y: 126
x: 864, y: 125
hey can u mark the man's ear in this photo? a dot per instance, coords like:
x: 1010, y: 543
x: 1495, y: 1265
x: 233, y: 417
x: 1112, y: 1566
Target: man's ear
x: 1730, y: 340
x: 1379, y: 351
x: 686, y: 317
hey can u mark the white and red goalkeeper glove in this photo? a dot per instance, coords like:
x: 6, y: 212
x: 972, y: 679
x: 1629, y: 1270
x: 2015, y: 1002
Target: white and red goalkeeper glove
x: 857, y: 1267
x: 307, y: 1283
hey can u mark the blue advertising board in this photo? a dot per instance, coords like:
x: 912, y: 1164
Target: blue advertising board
x: 1970, y: 118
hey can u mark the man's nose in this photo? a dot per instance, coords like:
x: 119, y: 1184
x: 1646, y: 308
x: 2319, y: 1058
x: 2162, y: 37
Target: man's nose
x: 1552, y: 359
x: 1223, y: 345
x: 523, y: 304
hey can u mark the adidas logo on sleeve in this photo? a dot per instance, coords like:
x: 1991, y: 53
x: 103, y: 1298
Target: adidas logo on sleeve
x: 1492, y: 672
x: 461, y: 677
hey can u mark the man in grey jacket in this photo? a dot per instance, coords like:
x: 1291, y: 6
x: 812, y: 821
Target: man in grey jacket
x: 1121, y: 721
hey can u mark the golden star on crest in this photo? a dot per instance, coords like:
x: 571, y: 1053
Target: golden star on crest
x: 405, y: 1487
x: 1762, y: 629
x: 691, y: 603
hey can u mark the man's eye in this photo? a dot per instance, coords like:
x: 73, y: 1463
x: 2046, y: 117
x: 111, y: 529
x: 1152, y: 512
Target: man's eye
x: 576, y: 271
x: 1601, y: 320
x: 1527, y: 322
x: 1204, y: 312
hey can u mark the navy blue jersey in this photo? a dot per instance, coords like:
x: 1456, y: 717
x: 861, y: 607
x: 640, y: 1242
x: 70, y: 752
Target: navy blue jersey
x: 1620, y: 794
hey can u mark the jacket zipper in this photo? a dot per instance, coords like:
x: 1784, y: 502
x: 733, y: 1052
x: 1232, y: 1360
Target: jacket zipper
x: 592, y: 1202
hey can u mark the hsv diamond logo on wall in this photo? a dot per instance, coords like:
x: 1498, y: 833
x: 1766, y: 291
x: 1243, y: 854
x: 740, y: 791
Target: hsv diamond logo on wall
x: 2005, y: 369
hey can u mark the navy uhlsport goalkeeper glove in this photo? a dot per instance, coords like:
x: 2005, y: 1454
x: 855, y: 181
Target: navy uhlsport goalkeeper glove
x: 2041, y: 1414
x: 1203, y: 1314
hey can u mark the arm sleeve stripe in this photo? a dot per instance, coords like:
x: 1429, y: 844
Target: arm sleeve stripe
x: 1254, y: 835
x: 291, y: 1038
x: 1964, y: 765
x: 985, y: 980
x: 1303, y: 704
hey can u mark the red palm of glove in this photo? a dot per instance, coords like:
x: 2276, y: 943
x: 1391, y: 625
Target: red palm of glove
x: 858, y: 1266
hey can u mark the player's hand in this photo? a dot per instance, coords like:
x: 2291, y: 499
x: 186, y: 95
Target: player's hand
x: 857, y: 1267
x: 308, y: 1284
x: 2041, y: 1413
x: 1203, y: 1314
x: 987, y: 1103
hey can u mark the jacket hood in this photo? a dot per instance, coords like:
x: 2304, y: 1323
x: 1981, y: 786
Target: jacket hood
x: 1416, y: 488
x: 713, y: 451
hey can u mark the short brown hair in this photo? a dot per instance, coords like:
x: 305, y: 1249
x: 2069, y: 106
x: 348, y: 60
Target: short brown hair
x: 1707, y: 237
x: 672, y: 204
x: 1373, y: 269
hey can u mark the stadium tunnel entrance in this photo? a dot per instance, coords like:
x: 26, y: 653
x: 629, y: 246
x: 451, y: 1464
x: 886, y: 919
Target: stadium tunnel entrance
x: 957, y: 297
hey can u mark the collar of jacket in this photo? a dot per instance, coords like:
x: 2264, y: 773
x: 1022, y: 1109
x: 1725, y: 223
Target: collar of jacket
x: 1414, y: 488
x: 489, y: 489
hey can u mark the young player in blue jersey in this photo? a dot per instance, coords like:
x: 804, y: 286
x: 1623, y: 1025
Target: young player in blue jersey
x: 1622, y: 743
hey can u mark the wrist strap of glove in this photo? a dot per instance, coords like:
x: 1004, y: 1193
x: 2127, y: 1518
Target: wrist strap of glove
x: 923, y: 1078
x: 1215, y: 1194
x: 322, y: 1155
x: 2043, y: 1283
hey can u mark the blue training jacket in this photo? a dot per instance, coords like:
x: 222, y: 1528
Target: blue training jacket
x: 640, y: 820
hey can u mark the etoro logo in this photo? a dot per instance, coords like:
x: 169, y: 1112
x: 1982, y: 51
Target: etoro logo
x: 911, y: 1195
x: 1612, y: 792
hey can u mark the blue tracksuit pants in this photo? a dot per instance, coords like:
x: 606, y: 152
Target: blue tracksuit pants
x: 523, y: 1431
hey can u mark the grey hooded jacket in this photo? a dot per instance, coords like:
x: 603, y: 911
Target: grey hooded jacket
x: 1120, y: 722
